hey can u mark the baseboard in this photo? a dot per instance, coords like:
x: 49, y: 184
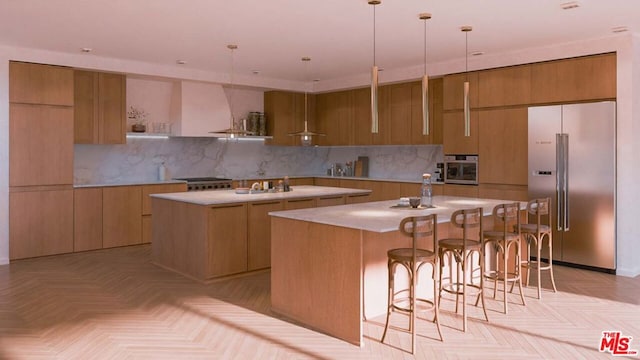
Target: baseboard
x: 4, y: 261
x: 628, y: 272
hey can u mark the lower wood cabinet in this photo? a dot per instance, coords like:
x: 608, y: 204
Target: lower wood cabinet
x: 461, y: 190
x: 305, y: 203
x: 122, y: 209
x: 331, y: 201
x: 87, y: 219
x: 226, y: 252
x: 40, y: 223
x: 259, y: 233
x: 505, y: 192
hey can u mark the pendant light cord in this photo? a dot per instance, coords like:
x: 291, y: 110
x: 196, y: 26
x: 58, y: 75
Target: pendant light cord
x: 425, y: 46
x: 466, y: 54
x: 374, y: 35
x: 233, y: 125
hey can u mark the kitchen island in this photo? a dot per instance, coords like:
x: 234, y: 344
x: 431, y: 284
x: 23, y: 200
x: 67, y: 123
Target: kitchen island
x: 207, y: 235
x: 329, y: 265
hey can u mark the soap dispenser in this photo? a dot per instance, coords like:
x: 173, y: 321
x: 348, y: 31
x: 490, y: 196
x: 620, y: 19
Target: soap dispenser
x: 162, y: 172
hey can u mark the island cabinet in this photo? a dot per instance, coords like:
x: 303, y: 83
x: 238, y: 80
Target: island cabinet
x: 121, y: 221
x: 259, y: 233
x: 503, y: 146
x: 454, y: 141
x: 504, y: 86
x: 453, y: 91
x: 578, y: 79
x: 285, y: 112
x: 226, y: 255
x: 146, y: 204
x: 99, y: 108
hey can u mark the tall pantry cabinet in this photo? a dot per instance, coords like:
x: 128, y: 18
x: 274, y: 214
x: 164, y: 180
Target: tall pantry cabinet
x: 40, y: 160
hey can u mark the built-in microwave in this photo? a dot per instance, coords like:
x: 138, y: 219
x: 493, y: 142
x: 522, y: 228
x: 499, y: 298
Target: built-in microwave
x: 461, y: 169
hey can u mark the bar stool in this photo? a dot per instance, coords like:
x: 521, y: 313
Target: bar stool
x: 461, y: 251
x: 536, y: 233
x: 502, y: 241
x: 412, y: 259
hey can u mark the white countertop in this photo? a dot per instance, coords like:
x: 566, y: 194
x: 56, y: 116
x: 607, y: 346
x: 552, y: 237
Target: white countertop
x: 218, y: 197
x: 381, y: 216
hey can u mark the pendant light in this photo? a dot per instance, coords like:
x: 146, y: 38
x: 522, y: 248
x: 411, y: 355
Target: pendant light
x: 306, y: 136
x: 374, y: 75
x: 467, y: 108
x: 232, y: 131
x: 425, y: 80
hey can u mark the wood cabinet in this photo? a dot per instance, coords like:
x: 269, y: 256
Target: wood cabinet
x: 380, y: 190
x: 285, y: 112
x: 259, y: 233
x: 302, y: 203
x: 334, y: 118
x: 399, y: 116
x: 121, y: 216
x: 454, y: 141
x: 331, y: 201
x: 503, y: 146
x: 435, y: 113
x: 414, y: 189
x: 504, y: 86
x: 361, y: 112
x: 227, y: 244
x: 99, y: 108
x: 333, y: 182
x: 40, y: 223
x: 503, y: 192
x: 41, y: 145
x: 87, y: 219
x: 453, y: 90
x: 461, y: 190
x: 147, y: 190
x: 578, y: 79
x: 40, y: 84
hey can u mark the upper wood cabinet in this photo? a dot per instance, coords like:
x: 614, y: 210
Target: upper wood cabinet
x: 578, y: 79
x: 503, y: 146
x: 40, y: 223
x: 100, y: 108
x: 454, y: 141
x: 285, y: 112
x: 361, y: 107
x: 504, y: 86
x: 40, y: 84
x: 453, y: 90
x: 334, y: 118
x: 41, y: 144
x: 399, y: 114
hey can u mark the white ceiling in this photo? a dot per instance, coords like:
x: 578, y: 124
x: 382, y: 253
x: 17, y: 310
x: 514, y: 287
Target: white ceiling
x: 273, y: 35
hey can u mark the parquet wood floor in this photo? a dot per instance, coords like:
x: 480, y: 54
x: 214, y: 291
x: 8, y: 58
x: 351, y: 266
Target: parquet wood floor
x: 114, y: 304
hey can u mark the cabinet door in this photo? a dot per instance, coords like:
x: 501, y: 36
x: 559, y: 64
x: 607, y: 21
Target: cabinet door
x: 383, y: 136
x: 326, y: 182
x: 112, y: 108
x: 333, y: 116
x: 301, y: 181
x: 361, y: 107
x: 503, y: 192
x: 461, y: 190
x: 399, y: 114
x: 584, y: 78
x: 435, y: 113
x: 503, y: 146
x: 330, y: 201
x: 259, y: 237
x: 41, y: 144
x: 454, y: 141
x: 40, y: 84
x: 85, y: 111
x: 87, y: 219
x: 293, y: 204
x: 505, y: 86
x: 279, y: 109
x: 227, y: 240
x: 453, y: 90
x: 121, y: 216
x: 40, y: 223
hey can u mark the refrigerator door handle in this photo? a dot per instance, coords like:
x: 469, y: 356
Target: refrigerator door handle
x: 565, y: 202
x: 559, y: 164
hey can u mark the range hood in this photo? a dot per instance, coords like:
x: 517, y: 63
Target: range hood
x: 197, y: 108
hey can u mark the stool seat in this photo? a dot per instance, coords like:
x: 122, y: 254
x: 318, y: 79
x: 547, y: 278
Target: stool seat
x: 458, y: 244
x: 499, y: 235
x: 405, y: 255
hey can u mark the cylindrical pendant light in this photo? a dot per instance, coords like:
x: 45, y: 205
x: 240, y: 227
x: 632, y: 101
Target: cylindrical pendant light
x: 425, y: 80
x: 374, y: 75
x: 467, y: 108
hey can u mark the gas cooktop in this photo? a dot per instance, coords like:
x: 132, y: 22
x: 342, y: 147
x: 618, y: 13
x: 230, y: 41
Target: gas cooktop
x: 206, y: 183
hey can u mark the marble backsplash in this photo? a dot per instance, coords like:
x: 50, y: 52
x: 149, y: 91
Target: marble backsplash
x: 139, y: 160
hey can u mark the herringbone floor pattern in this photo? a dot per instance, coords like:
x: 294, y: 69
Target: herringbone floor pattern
x: 114, y: 304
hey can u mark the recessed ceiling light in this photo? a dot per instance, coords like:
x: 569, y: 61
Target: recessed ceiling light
x: 316, y: 80
x: 619, y: 29
x: 477, y: 53
x: 569, y: 5
x: 181, y: 62
x: 255, y: 72
x: 86, y: 50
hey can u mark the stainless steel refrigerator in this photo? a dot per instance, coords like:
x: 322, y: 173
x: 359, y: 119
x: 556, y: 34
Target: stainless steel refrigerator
x: 572, y: 161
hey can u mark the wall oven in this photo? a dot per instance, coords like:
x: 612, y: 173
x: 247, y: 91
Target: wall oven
x: 461, y: 169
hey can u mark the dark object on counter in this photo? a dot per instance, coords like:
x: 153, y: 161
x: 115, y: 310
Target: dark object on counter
x: 286, y: 186
x: 139, y: 128
x: 362, y: 166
